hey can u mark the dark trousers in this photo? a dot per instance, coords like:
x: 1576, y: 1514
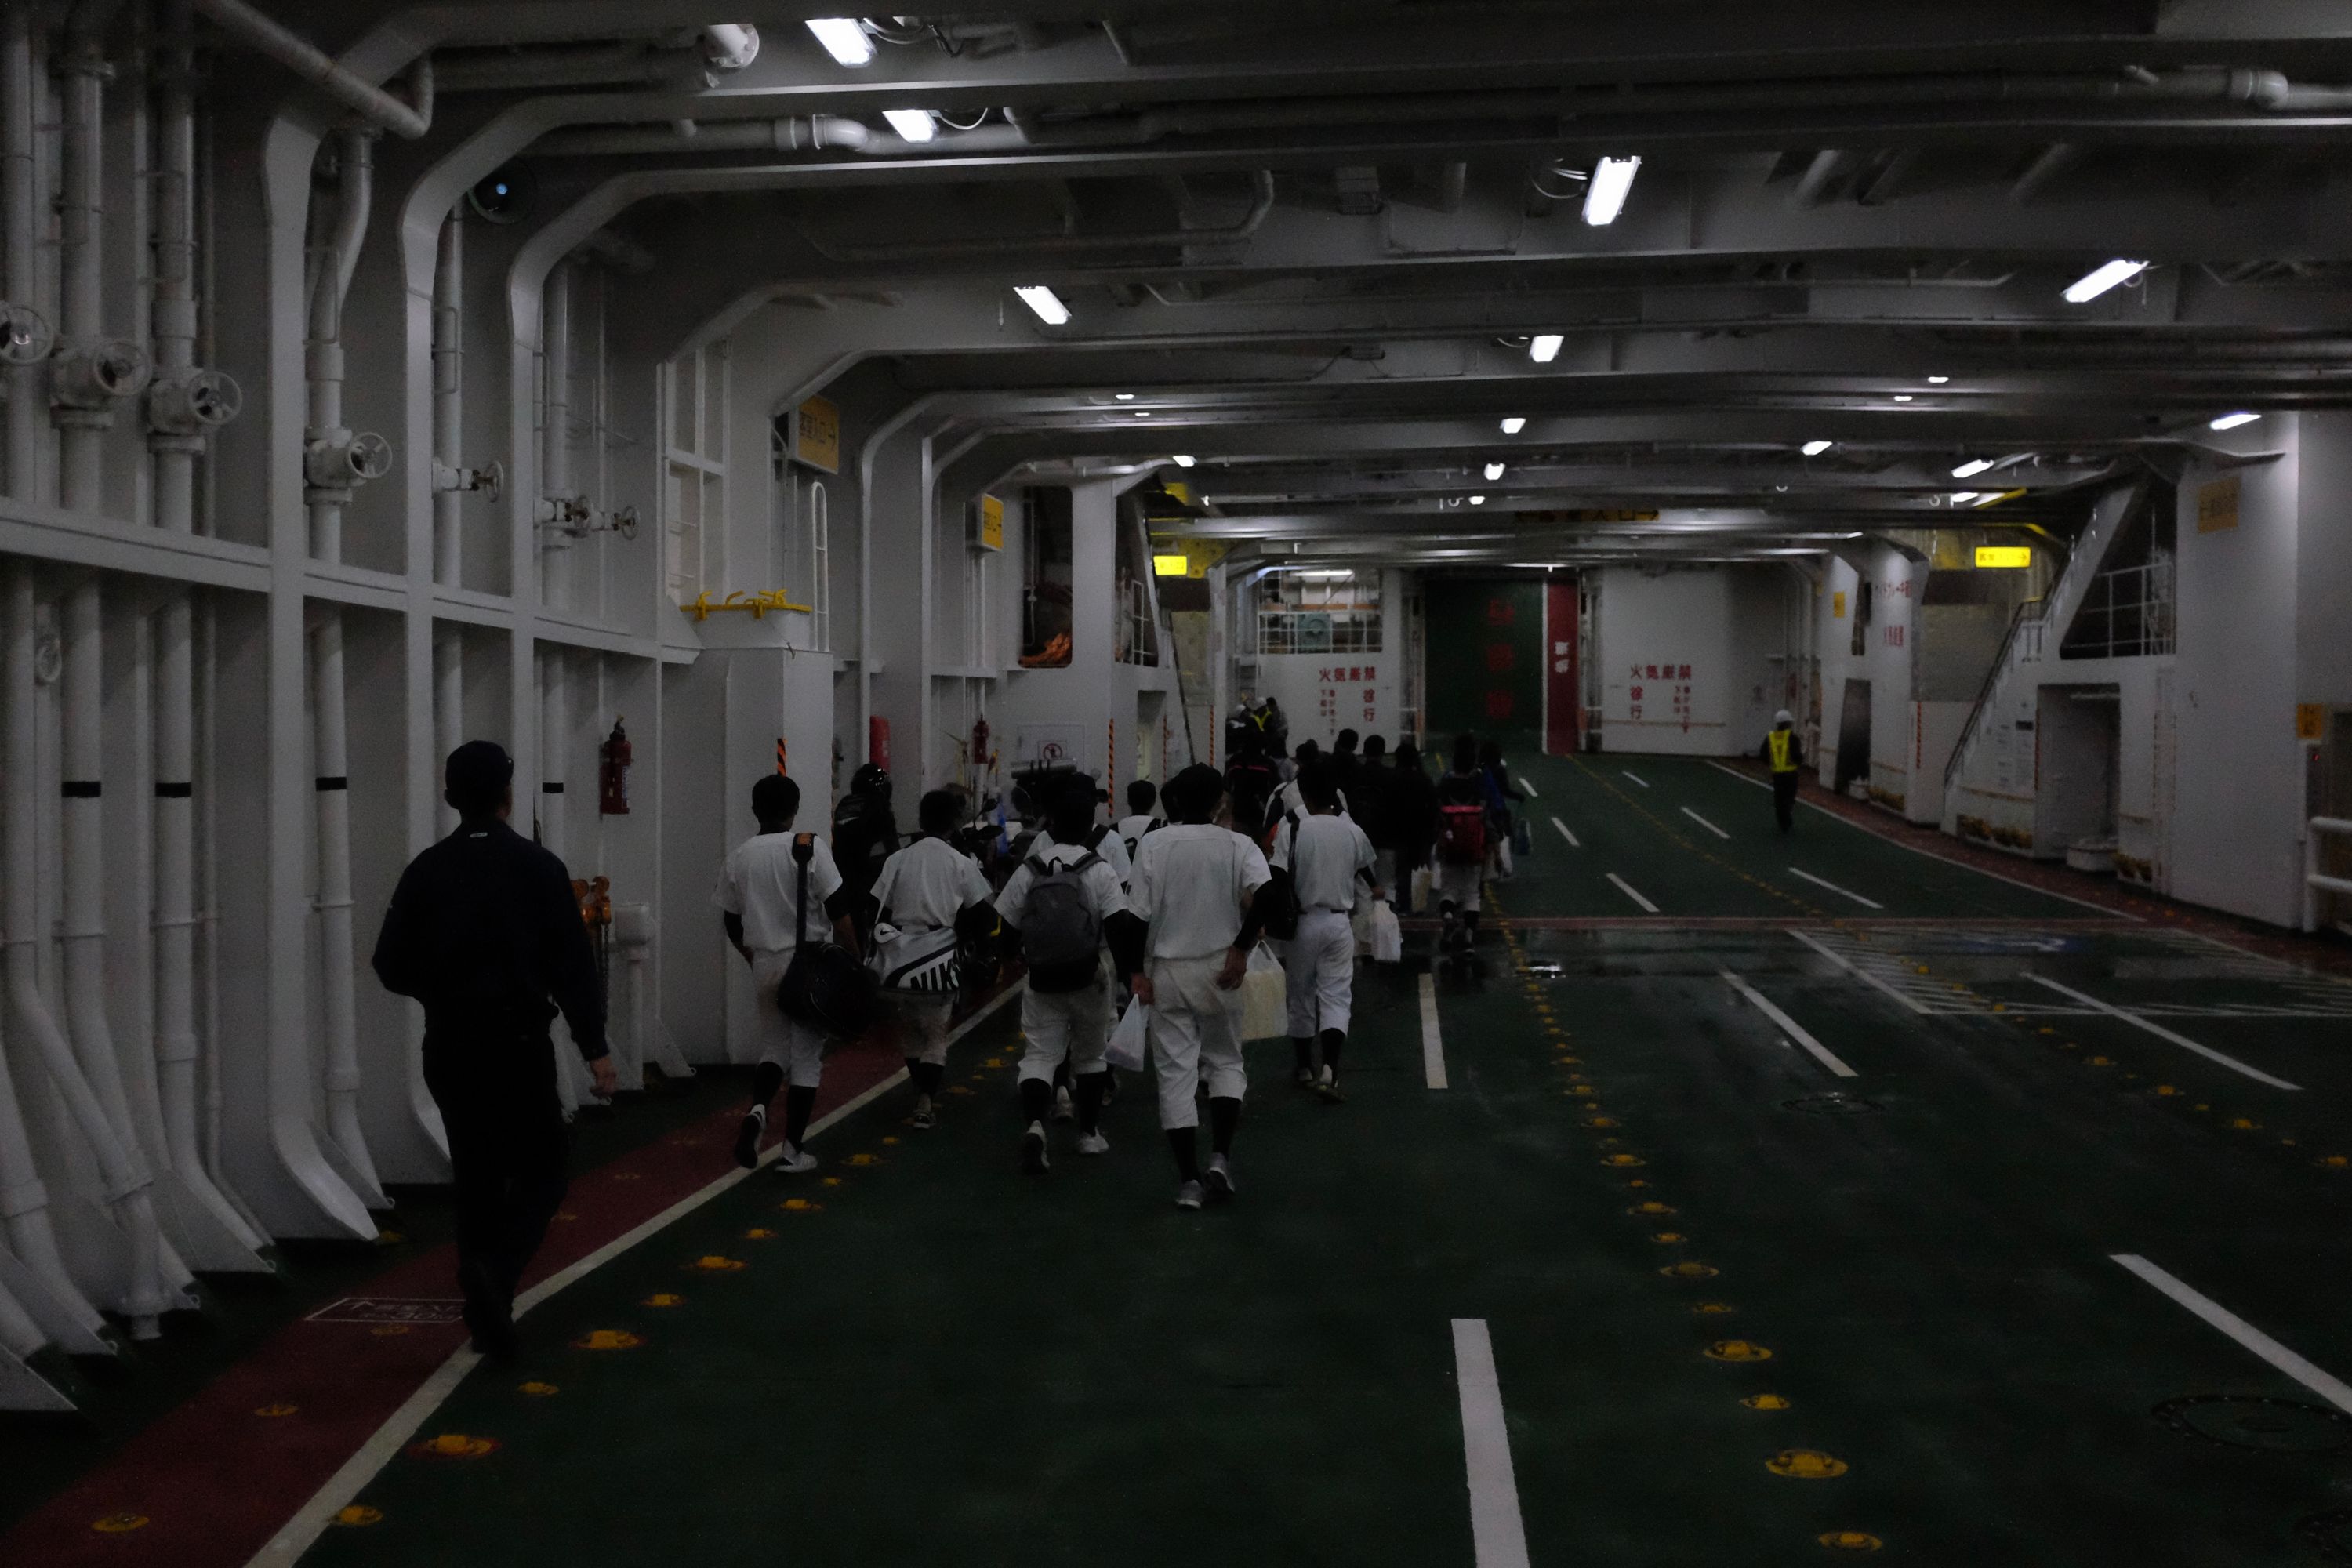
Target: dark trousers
x: 507, y: 1151
x: 1784, y: 799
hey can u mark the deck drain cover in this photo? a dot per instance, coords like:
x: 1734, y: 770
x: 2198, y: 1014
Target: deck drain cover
x: 2280, y: 1426
x: 2329, y: 1535
x: 1833, y: 1105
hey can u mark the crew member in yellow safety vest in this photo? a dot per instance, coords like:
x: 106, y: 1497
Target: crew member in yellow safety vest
x: 1784, y: 755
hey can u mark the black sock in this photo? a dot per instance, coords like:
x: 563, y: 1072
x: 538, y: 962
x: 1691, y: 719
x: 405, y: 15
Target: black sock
x: 1090, y: 1096
x: 1305, y: 1050
x: 1225, y: 1115
x: 1333, y: 1041
x: 798, y: 1103
x: 768, y: 1079
x: 1186, y: 1148
x: 1036, y: 1100
x: 927, y: 1075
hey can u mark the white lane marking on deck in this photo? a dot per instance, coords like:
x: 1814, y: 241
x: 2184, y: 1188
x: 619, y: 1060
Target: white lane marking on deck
x: 1859, y: 973
x: 1702, y: 821
x: 301, y: 1533
x: 1498, y: 1539
x: 2332, y: 1389
x: 1820, y: 1052
x: 1833, y: 887
x: 1564, y: 833
x: 1528, y: 785
x: 2114, y: 914
x: 1627, y: 888
x: 1635, y: 777
x: 1432, y: 1043
x: 2161, y: 1033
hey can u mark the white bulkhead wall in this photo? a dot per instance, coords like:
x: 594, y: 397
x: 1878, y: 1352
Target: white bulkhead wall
x: 1734, y: 627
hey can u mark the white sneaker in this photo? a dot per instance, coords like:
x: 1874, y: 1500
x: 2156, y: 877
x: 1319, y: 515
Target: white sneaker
x: 1032, y: 1149
x: 793, y: 1161
x: 1093, y: 1144
x: 1188, y: 1195
x: 1064, y: 1111
x: 1221, y: 1178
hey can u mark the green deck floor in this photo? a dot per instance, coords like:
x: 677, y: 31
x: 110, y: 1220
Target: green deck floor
x: 949, y: 1364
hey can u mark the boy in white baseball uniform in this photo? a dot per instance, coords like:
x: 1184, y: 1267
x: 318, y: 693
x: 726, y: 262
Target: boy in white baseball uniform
x: 1193, y: 887
x: 1062, y: 904
x: 1326, y: 854
x: 931, y: 896
x: 758, y: 890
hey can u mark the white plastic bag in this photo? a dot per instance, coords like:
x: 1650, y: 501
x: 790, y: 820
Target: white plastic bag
x: 1388, y: 937
x: 1265, y: 1003
x: 1128, y: 1037
x: 1359, y: 922
x: 1419, y: 902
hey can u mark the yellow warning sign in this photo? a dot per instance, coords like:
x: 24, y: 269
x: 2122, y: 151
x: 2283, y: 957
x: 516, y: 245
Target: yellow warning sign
x: 1805, y: 1465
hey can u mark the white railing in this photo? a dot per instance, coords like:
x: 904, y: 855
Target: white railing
x: 2125, y: 613
x: 2315, y: 881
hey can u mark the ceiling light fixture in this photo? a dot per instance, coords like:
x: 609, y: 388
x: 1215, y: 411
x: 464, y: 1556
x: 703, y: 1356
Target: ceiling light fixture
x: 1513, y: 424
x: 1124, y: 397
x: 1937, y: 380
x: 1493, y: 472
x: 912, y: 124
x: 1962, y: 497
x: 1972, y: 468
x: 1143, y: 413
x: 2101, y: 278
x: 1605, y: 195
x: 843, y: 38
x: 1183, y: 460
x: 1544, y: 347
x: 1902, y: 397
x: 2231, y: 421
x: 1815, y: 448
x: 1045, y: 302
x: 1478, y: 500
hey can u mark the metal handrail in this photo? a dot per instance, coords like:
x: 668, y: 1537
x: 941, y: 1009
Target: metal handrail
x: 2027, y: 610
x: 2315, y: 881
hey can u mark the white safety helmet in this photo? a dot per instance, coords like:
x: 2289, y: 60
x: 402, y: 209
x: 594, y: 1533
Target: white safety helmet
x: 1783, y: 719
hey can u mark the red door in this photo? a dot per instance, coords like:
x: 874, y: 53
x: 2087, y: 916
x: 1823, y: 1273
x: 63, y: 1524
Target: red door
x: 1563, y: 710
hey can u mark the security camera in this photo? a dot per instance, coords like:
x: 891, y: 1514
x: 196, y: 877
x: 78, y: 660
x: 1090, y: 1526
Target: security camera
x: 504, y: 195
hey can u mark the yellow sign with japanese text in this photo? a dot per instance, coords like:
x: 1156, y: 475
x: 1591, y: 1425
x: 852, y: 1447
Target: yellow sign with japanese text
x: 2217, y: 506
x: 817, y: 436
x: 2310, y: 722
x: 2004, y: 555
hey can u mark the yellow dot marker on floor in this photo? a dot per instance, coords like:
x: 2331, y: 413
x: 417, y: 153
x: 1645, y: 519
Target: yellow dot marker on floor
x: 274, y: 1411
x: 664, y: 1299
x: 1713, y: 1309
x: 800, y: 1206
x: 1689, y: 1270
x: 539, y: 1390
x: 833, y: 1181
x: 2200, y: 1105
x: 1636, y: 1182
x: 1848, y: 1541
x: 1599, y: 1122
x: 607, y: 1340
x: 1736, y: 1350
x: 388, y: 1239
x: 2244, y: 1124
x: 758, y: 1234
x: 1584, y: 1090
x: 1765, y: 1402
x: 1624, y: 1160
x: 862, y: 1161
x: 628, y: 1175
x: 1653, y: 1206
x: 1670, y: 1237
x: 358, y: 1514
x: 991, y: 1062
x: 1806, y: 1465
x: 958, y: 1088
x: 119, y: 1523
x: 2101, y: 1062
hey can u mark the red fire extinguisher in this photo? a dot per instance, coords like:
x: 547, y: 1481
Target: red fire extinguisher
x: 979, y: 746
x: 612, y: 772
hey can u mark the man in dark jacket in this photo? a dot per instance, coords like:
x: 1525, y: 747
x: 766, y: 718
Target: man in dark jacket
x: 484, y: 930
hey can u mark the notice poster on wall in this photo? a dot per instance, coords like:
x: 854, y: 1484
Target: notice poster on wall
x: 1345, y: 696
x: 1049, y: 745
x: 1659, y: 694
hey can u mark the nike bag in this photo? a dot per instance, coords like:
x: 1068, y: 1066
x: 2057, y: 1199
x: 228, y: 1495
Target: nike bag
x: 919, y: 960
x: 1128, y: 1038
x: 1265, y: 999
x: 1388, y: 937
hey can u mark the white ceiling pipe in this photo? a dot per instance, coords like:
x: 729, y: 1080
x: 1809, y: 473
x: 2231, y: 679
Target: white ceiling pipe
x: 20, y: 223
x: 556, y: 501
x: 562, y: 66
x: 448, y: 397
x: 787, y: 133
x: 730, y: 46
x: 264, y: 35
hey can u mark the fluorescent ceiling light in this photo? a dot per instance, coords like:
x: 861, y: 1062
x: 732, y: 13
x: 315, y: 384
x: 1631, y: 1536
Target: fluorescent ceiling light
x: 1513, y: 424
x: 1972, y: 468
x: 2099, y: 280
x: 1902, y: 397
x: 1962, y: 497
x: 1124, y: 397
x: 1493, y: 472
x: 843, y: 38
x: 913, y: 124
x: 1604, y: 194
x: 1327, y: 576
x: 1815, y: 448
x: 2231, y: 421
x: 1183, y: 461
x: 1478, y: 500
x: 1937, y: 380
x: 1544, y: 347
x: 1045, y: 302
x: 1143, y: 413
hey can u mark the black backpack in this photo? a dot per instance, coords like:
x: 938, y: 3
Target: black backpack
x: 824, y: 986
x: 1279, y: 898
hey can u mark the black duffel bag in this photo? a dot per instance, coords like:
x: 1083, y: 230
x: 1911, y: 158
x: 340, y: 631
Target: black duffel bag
x: 824, y: 986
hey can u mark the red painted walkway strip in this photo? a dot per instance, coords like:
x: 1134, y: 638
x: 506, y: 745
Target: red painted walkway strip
x: 214, y: 1480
